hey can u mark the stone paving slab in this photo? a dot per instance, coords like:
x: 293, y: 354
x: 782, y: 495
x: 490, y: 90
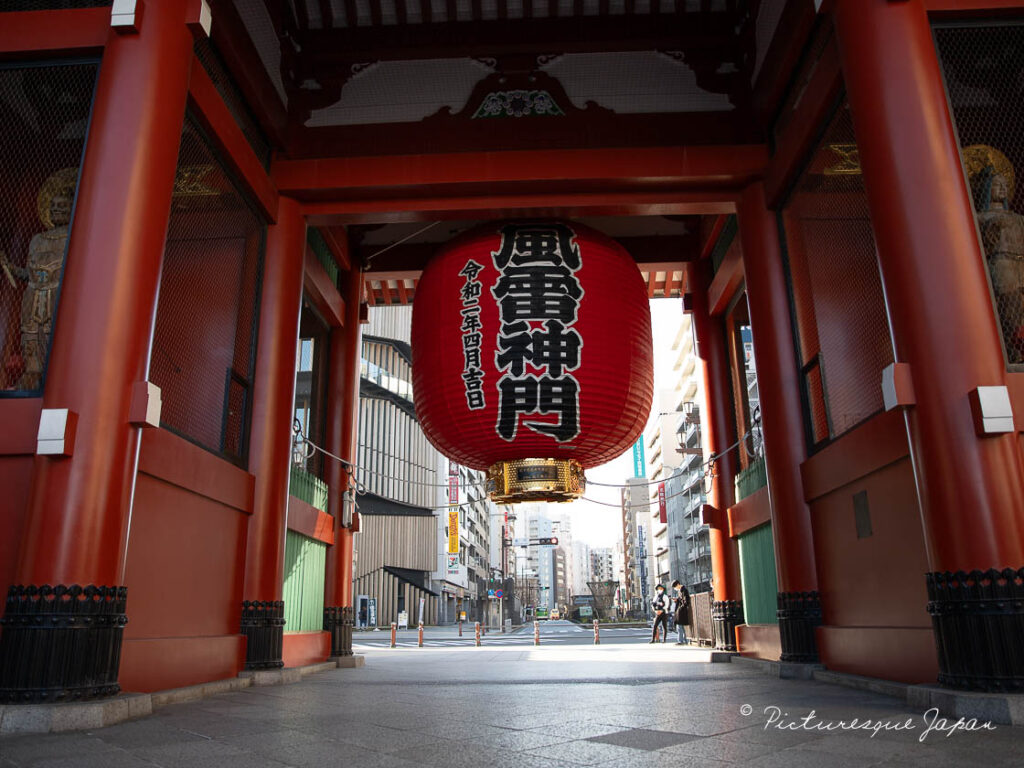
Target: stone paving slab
x: 555, y: 708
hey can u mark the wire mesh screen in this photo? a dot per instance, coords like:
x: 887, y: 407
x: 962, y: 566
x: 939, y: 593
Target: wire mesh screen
x: 45, y: 116
x: 52, y: 5
x: 839, y: 306
x: 984, y: 69
x: 206, y: 52
x: 204, y: 339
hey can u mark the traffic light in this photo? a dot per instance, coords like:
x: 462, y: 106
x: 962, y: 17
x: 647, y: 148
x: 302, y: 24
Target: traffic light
x: 552, y: 541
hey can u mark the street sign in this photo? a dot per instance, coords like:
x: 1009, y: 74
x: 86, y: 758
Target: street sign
x: 639, y: 468
x: 520, y: 542
x: 453, y: 531
x: 499, y: 593
x: 490, y: 594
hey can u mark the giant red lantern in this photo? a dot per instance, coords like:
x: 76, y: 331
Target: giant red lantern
x: 532, y: 355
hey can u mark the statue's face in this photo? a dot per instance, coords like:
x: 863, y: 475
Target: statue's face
x: 1000, y: 189
x: 60, y: 210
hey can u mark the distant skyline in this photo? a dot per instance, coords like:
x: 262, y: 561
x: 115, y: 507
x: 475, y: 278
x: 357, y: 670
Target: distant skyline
x: 601, y: 526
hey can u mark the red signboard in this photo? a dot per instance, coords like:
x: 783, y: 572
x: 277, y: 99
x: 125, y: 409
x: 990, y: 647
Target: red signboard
x: 662, y: 511
x: 532, y: 340
x: 453, y: 489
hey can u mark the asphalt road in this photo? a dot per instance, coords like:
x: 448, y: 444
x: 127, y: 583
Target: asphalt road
x: 551, y: 633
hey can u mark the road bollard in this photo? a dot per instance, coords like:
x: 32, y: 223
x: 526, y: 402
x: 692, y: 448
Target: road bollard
x: 536, y: 633
x: 394, y: 634
x: 597, y: 633
x: 478, y: 633
x: 483, y: 629
x: 460, y: 628
x: 420, y: 638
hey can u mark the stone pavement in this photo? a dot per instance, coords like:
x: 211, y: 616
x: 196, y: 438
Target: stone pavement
x: 559, y: 707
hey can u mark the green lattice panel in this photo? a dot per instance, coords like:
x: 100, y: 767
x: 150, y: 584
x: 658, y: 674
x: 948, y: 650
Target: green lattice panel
x: 305, y: 561
x: 757, y: 572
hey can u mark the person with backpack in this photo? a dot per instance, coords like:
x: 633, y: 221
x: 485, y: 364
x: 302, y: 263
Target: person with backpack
x: 682, y: 611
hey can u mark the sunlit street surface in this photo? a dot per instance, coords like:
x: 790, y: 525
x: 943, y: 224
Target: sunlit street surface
x: 567, y: 702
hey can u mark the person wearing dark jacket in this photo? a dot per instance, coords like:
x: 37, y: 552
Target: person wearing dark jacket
x: 682, y: 610
x: 661, y: 605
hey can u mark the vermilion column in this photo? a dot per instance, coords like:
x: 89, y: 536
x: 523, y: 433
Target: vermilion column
x: 341, y: 438
x: 273, y: 411
x: 970, y: 487
x: 719, y: 435
x: 80, y: 505
x: 778, y: 381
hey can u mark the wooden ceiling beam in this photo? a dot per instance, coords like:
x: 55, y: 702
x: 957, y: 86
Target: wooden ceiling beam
x: 240, y: 54
x: 698, y: 202
x: 650, y: 168
x: 656, y: 253
x: 302, y: 17
x: 327, y: 14
x: 711, y: 34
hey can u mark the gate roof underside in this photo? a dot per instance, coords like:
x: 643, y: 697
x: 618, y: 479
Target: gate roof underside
x: 357, y: 77
x: 636, y: 117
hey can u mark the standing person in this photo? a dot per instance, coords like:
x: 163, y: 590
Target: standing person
x: 682, y: 612
x: 660, y: 604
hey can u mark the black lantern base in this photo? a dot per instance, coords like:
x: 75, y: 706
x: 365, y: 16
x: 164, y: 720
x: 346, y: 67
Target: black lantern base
x: 726, y: 615
x: 978, y: 621
x: 799, y: 613
x: 61, y: 643
x: 339, y: 621
x: 263, y: 627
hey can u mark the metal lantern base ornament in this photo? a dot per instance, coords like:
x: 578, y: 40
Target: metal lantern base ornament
x: 511, y: 482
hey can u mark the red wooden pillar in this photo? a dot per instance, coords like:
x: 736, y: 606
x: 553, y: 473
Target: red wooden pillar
x: 273, y: 411
x: 970, y: 484
x: 783, y: 427
x: 719, y: 436
x: 341, y: 438
x: 80, y: 505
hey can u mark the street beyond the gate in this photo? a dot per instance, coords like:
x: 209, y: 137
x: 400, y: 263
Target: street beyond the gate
x: 551, y: 632
x: 564, y: 704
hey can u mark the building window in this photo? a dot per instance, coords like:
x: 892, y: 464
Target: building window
x: 984, y: 69
x: 204, y: 342
x: 45, y: 113
x: 747, y: 400
x: 311, y: 361
x: 844, y: 341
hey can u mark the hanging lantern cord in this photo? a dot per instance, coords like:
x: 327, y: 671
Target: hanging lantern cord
x: 308, y: 448
x: 755, y: 428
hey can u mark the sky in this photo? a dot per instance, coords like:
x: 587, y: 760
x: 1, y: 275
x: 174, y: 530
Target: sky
x: 601, y: 526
